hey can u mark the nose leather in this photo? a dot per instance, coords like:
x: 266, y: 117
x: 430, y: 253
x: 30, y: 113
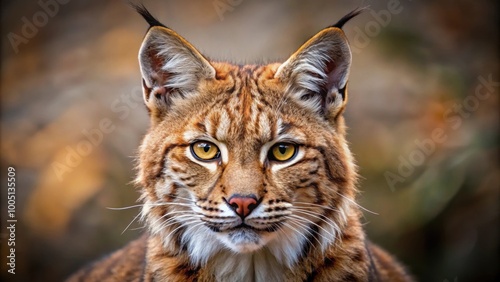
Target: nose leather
x: 242, y: 205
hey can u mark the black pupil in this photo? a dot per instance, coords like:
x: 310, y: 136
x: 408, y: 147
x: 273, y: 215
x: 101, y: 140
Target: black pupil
x: 282, y: 149
x: 205, y: 147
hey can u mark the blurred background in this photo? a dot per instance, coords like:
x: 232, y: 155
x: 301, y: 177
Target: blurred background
x: 423, y: 118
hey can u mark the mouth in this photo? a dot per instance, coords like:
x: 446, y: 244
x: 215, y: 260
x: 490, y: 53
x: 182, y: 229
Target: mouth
x: 245, y: 238
x: 241, y: 226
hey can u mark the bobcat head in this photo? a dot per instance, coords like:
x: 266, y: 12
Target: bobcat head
x: 246, y: 159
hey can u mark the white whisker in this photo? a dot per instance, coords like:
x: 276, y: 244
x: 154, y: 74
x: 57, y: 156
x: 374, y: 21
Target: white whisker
x: 126, y: 208
x: 308, y: 205
x: 190, y: 213
x: 303, y: 222
x: 288, y: 224
x: 312, y: 222
x: 308, y: 231
x: 135, y: 217
x: 356, y: 204
x: 180, y: 225
x: 319, y: 216
x: 175, y: 218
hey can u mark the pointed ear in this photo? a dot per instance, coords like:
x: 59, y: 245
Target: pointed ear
x: 316, y: 75
x: 171, y: 68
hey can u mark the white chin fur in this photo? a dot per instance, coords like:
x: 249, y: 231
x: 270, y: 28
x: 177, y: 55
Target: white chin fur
x: 245, y: 256
x: 243, y: 240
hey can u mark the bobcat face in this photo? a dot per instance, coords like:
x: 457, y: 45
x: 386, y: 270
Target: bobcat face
x: 245, y: 158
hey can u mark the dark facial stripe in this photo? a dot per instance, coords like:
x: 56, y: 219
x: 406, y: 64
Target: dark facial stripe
x: 161, y: 166
x: 338, y: 179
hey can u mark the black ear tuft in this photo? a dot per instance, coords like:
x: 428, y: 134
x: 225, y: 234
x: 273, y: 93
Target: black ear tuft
x: 349, y: 16
x: 141, y: 9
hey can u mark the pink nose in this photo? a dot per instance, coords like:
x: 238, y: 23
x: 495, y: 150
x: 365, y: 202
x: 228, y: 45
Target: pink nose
x: 242, y: 205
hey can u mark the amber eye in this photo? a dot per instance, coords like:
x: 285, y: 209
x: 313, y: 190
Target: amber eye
x: 282, y: 152
x: 205, y: 151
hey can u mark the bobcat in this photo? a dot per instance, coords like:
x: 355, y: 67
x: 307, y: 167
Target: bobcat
x: 245, y: 173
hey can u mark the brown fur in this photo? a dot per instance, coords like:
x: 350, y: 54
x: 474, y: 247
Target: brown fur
x: 308, y: 200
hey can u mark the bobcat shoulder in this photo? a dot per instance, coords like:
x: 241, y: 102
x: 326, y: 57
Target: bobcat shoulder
x: 245, y: 173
